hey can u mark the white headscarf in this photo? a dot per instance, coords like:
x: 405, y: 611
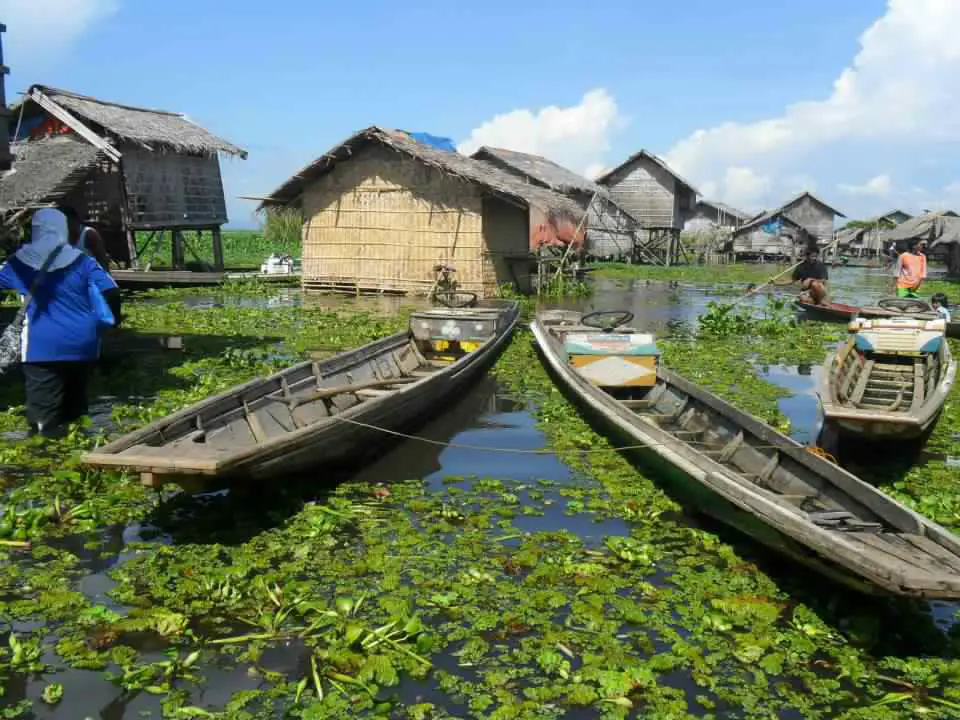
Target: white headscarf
x: 49, y: 229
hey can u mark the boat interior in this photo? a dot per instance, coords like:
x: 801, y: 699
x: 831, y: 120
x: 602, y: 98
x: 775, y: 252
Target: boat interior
x: 309, y: 393
x: 712, y: 435
x: 890, y: 365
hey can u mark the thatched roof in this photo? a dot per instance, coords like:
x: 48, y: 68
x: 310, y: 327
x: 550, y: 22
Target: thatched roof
x: 848, y: 236
x: 45, y: 170
x: 937, y: 228
x: 154, y: 129
x: 476, y: 171
x: 650, y: 157
x: 540, y: 170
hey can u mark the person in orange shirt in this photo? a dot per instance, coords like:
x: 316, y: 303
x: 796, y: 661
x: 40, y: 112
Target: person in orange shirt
x: 911, y: 271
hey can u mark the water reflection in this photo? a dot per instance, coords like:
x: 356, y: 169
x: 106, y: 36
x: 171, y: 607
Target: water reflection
x: 801, y: 405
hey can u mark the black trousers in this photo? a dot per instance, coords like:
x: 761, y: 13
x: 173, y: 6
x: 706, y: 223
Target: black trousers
x: 56, y: 394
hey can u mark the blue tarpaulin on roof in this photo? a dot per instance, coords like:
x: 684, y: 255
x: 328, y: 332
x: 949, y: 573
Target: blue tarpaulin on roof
x: 440, y: 143
x: 773, y: 227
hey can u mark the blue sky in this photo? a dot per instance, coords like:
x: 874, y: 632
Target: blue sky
x: 287, y: 80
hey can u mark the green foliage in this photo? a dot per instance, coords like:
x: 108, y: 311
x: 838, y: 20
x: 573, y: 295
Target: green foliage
x: 490, y: 596
x: 699, y: 274
x: 282, y: 230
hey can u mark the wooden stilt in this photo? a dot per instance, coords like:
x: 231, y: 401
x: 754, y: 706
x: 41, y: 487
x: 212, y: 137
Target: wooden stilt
x: 217, y: 249
x: 134, y: 261
x: 177, y: 250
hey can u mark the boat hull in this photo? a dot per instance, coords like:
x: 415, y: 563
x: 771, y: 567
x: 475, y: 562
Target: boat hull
x: 841, y: 313
x: 871, y: 424
x: 354, y: 431
x: 734, y: 468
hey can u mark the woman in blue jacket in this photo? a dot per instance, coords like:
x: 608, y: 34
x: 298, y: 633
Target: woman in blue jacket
x: 60, y: 341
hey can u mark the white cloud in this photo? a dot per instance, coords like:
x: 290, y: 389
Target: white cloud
x: 900, y: 87
x: 743, y: 187
x: 880, y: 185
x: 595, y: 170
x: 37, y: 30
x: 577, y: 137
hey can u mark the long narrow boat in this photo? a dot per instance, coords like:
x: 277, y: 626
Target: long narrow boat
x: 318, y: 412
x: 888, y: 379
x: 841, y: 313
x: 742, y: 471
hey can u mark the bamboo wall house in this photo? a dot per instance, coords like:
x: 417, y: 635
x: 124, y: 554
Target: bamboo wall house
x: 382, y: 210
x: 611, y: 228
x: 660, y: 200
x: 129, y: 172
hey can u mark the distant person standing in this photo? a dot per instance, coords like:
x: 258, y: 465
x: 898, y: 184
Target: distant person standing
x: 85, y: 238
x: 910, y: 272
x: 812, y: 276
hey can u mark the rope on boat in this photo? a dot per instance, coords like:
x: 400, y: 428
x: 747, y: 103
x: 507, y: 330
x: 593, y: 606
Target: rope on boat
x: 820, y: 452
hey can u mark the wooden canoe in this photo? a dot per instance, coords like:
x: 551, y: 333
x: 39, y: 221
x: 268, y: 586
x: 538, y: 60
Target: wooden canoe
x: 841, y: 313
x: 307, y: 415
x: 888, y: 380
x: 745, y: 473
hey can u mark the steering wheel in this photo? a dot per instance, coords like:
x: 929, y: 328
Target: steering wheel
x: 595, y: 319
x: 907, y: 306
x: 456, y: 299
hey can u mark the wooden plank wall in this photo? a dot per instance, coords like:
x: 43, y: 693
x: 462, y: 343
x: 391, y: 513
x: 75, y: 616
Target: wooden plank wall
x: 813, y: 216
x: 651, y: 195
x: 506, y: 228
x: 382, y: 221
x: 169, y: 190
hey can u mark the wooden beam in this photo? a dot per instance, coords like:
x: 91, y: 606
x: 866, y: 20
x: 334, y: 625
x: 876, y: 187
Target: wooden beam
x: 78, y: 127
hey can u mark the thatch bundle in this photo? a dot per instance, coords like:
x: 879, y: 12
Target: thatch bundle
x: 451, y: 163
x: 45, y: 170
x: 154, y: 129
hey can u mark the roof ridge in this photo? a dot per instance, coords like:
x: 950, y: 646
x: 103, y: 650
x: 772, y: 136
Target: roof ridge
x: 52, y: 91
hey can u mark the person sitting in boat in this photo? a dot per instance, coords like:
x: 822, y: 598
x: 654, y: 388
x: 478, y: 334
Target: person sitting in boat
x: 812, y: 276
x: 940, y: 304
x: 911, y: 271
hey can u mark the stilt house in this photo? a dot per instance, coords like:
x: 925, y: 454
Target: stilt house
x: 660, y: 200
x: 383, y: 211
x: 765, y: 234
x: 132, y: 173
x: 611, y: 227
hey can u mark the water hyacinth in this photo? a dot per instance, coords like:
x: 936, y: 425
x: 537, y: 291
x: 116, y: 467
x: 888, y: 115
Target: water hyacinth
x: 438, y: 582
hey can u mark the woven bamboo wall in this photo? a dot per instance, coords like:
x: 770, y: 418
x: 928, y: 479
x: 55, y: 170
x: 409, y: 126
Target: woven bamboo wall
x: 382, y: 221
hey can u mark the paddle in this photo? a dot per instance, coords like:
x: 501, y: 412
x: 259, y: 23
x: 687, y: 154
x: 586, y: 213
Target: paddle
x: 754, y: 291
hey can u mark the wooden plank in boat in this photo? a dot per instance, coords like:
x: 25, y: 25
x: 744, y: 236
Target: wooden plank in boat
x: 918, y: 386
x: 929, y: 547
x: 373, y: 393
x: 862, y: 381
x: 882, y: 544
